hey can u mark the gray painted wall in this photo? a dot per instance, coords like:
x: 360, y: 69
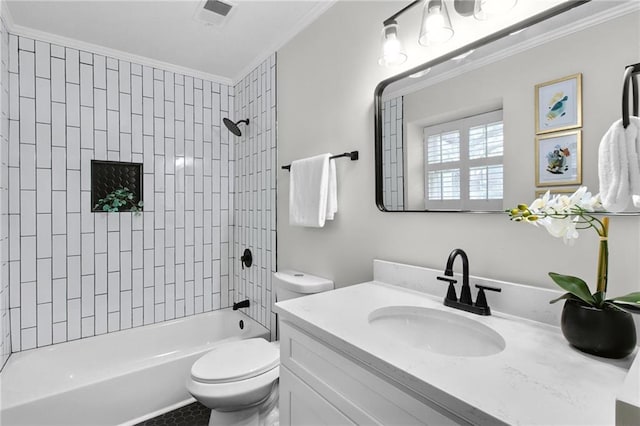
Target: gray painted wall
x: 325, y: 103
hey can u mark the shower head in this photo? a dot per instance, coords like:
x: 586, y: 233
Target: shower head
x: 233, y: 127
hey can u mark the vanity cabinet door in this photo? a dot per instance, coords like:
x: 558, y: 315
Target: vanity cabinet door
x: 300, y: 405
x: 357, y: 393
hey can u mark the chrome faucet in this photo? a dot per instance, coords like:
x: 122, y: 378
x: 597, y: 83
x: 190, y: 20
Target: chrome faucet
x: 465, y: 302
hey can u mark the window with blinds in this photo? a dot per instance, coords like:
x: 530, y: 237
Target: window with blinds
x: 463, y: 163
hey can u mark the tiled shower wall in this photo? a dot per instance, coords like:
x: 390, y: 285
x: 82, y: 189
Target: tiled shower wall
x: 255, y: 205
x: 74, y: 273
x: 392, y: 140
x: 5, y: 330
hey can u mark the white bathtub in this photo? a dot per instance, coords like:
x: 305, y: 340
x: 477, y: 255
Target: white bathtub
x: 118, y: 378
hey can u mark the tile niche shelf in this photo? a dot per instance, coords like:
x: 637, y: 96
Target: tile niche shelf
x: 107, y: 176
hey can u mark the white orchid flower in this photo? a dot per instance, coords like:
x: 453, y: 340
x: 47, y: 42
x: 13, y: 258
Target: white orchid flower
x: 564, y: 228
x: 561, y: 215
x: 540, y: 203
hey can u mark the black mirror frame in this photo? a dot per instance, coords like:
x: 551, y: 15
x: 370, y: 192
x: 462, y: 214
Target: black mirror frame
x: 377, y: 100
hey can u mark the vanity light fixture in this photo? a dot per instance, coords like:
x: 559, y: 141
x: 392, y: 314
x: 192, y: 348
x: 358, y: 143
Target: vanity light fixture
x: 392, y: 51
x: 435, y: 26
x: 487, y: 9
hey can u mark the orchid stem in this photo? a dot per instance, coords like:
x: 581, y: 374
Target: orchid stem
x: 603, y: 257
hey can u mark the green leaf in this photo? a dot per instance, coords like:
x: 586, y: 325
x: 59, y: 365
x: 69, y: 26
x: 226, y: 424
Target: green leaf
x: 629, y: 302
x: 575, y: 286
x: 634, y: 309
x: 631, y: 297
x: 599, y: 298
x: 563, y: 297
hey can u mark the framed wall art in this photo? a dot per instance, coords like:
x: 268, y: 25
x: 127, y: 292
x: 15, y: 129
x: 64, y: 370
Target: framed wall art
x: 558, y: 159
x: 555, y: 191
x: 559, y: 104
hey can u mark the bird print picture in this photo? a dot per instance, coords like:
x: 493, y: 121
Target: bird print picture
x: 558, y: 158
x: 558, y: 104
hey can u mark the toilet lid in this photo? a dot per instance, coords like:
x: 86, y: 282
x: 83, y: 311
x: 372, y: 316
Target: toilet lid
x: 238, y: 360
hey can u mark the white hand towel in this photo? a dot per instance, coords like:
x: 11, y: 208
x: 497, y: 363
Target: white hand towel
x: 308, y: 191
x: 332, y: 194
x: 618, y: 167
x: 633, y: 152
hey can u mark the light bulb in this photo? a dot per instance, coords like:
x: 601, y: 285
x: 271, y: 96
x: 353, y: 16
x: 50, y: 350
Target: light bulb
x: 436, y: 25
x: 393, y: 53
x: 435, y: 20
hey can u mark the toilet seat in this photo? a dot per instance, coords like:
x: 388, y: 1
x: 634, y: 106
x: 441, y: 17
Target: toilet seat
x: 236, y: 375
x: 236, y: 361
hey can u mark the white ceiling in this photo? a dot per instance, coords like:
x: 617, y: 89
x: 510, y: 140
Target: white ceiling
x: 168, y: 31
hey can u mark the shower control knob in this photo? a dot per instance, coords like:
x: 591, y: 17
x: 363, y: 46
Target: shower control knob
x: 246, y: 259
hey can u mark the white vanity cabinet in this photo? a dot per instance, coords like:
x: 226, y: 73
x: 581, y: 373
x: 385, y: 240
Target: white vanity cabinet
x: 338, y: 367
x: 321, y: 386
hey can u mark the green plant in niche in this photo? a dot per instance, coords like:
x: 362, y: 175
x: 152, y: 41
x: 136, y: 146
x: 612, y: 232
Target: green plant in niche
x: 121, y: 199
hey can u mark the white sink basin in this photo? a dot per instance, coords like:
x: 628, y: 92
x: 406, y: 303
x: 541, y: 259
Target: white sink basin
x: 436, y: 331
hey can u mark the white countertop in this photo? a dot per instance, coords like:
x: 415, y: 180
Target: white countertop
x: 537, y: 379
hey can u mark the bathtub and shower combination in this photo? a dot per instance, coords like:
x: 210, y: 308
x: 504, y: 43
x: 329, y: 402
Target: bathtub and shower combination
x: 119, y: 378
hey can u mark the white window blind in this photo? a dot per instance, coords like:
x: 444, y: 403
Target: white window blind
x: 463, y: 163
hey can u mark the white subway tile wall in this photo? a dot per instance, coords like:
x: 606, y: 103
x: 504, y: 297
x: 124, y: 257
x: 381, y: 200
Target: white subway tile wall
x: 71, y: 273
x: 5, y: 328
x: 255, y: 200
x: 392, y: 141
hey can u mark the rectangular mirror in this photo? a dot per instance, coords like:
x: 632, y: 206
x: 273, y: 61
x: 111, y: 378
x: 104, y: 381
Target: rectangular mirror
x: 459, y: 133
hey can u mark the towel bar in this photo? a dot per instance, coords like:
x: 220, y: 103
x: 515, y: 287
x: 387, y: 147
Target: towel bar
x: 353, y: 155
x: 630, y: 75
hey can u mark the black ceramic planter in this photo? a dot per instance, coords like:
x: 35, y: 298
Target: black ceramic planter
x: 608, y: 332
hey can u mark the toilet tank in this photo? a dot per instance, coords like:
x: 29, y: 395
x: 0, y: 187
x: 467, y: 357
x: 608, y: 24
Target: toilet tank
x: 290, y: 284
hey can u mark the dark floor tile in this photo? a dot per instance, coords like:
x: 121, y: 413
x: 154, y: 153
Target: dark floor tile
x: 194, y: 414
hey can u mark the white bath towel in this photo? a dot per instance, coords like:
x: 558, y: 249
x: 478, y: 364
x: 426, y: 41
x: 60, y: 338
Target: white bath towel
x: 312, y: 191
x: 619, y: 167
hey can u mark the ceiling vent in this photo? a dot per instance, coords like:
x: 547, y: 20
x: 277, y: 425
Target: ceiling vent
x: 217, y: 6
x: 214, y: 12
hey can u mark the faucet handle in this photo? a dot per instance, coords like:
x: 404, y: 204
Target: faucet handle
x: 451, y: 291
x: 447, y: 279
x: 481, y: 298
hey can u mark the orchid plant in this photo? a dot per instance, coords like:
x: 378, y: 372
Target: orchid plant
x: 563, y: 216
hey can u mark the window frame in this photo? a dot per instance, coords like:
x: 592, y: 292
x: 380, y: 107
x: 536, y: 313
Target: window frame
x: 464, y: 164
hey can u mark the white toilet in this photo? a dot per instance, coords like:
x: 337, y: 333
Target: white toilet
x: 239, y: 380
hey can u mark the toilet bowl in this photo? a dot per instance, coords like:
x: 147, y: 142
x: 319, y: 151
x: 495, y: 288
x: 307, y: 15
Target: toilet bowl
x: 238, y: 380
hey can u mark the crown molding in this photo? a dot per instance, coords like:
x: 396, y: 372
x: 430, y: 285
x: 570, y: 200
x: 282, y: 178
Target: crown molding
x: 473, y: 64
x: 101, y: 50
x: 317, y: 11
x: 5, y: 15
x: 306, y: 20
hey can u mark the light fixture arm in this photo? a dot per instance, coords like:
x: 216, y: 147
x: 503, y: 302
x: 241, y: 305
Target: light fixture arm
x: 392, y: 18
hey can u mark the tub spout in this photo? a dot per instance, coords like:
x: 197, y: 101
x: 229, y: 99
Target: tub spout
x: 242, y: 304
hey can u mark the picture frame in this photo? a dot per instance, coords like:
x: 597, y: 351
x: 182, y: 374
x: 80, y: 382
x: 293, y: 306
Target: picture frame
x: 559, y: 104
x: 555, y: 191
x: 559, y: 158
